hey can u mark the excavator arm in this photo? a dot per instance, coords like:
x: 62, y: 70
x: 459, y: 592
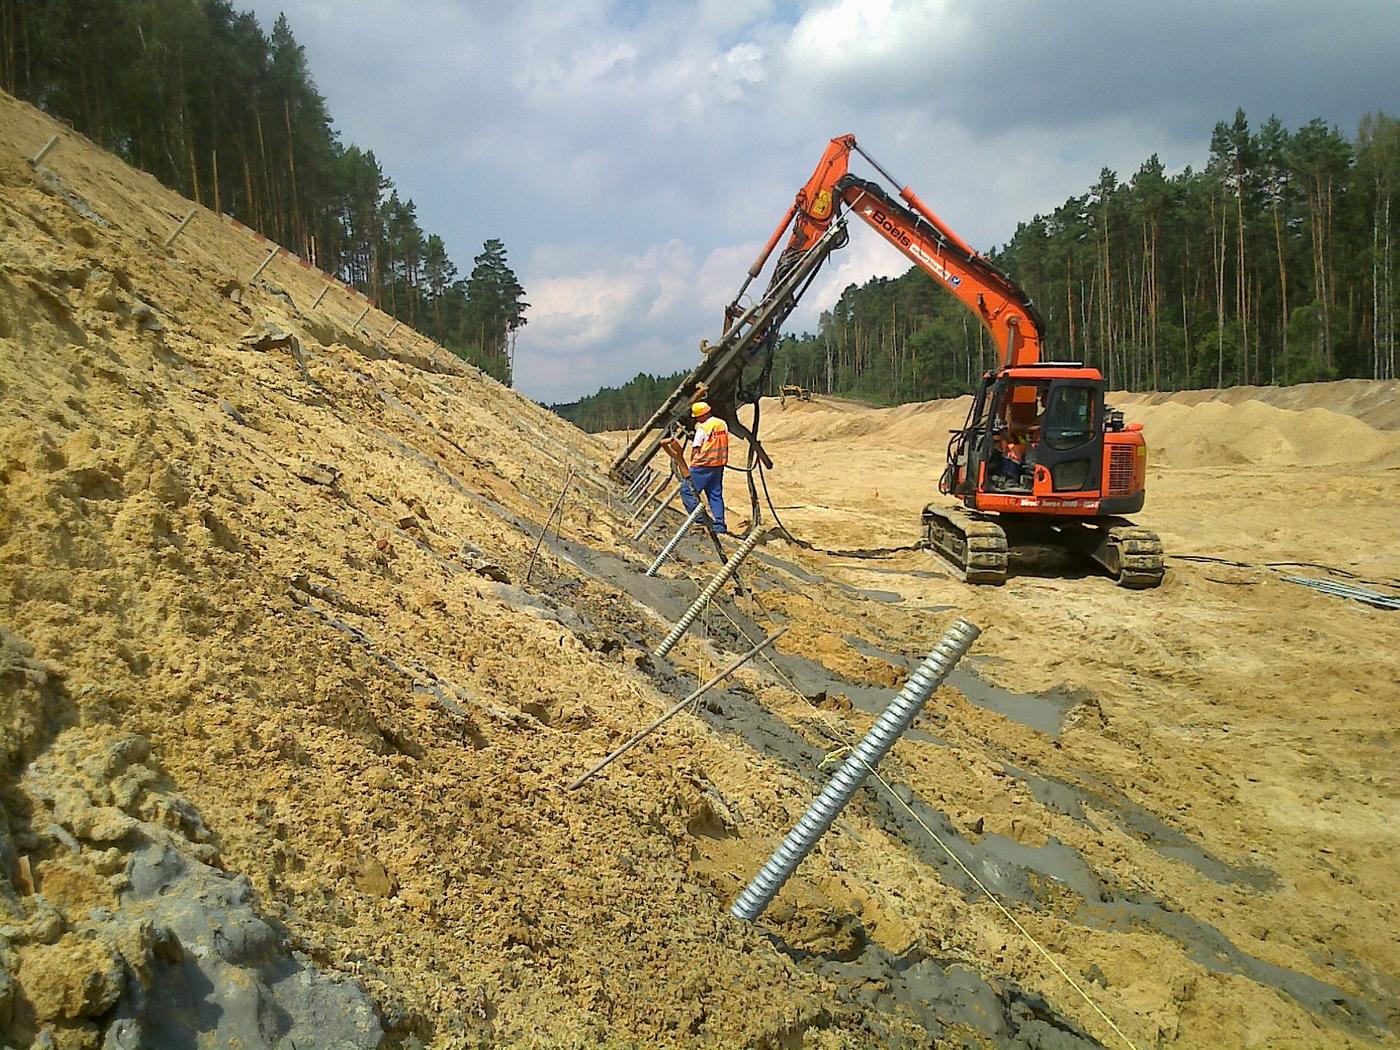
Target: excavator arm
x: 816, y: 226
x: 912, y: 227
x: 996, y: 300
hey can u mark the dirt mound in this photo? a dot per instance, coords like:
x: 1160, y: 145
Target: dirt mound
x: 1376, y: 403
x: 1215, y: 433
x: 266, y: 532
x: 1321, y: 425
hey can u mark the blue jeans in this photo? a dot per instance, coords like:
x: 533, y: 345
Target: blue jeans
x: 710, y: 482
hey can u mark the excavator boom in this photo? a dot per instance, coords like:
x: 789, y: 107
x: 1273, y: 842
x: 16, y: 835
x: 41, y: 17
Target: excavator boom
x: 996, y: 300
x: 1041, y: 460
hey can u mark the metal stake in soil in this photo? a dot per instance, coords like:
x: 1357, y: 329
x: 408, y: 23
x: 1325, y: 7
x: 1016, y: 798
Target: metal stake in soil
x: 661, y: 508
x: 264, y: 264
x: 39, y: 157
x: 675, y: 540
x: 643, y: 476
x: 181, y: 228
x: 842, y: 786
x: 558, y: 503
x: 653, y: 494
x: 711, y: 589
x: 671, y: 712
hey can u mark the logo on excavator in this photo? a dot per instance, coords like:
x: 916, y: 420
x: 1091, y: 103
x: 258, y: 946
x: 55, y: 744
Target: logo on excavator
x: 821, y: 207
x: 877, y: 216
x: 883, y: 221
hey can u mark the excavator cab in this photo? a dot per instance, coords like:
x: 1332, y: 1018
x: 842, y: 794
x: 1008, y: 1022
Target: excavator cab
x: 1044, y: 432
x: 1033, y: 431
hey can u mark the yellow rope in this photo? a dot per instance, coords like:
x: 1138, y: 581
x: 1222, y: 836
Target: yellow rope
x: 837, y: 730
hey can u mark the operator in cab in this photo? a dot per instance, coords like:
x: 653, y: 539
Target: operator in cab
x: 709, y: 455
x: 1014, y: 447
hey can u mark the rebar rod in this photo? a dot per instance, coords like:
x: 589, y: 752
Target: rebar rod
x: 264, y: 264
x: 181, y: 228
x: 840, y: 789
x: 568, y: 477
x: 675, y: 540
x: 645, y: 472
x: 647, y: 476
x: 637, y: 737
x: 660, y: 509
x: 653, y: 494
x: 320, y: 296
x: 711, y: 589
x: 48, y: 146
x: 356, y: 323
x: 1347, y: 590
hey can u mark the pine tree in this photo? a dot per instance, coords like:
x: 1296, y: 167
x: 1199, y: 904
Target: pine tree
x: 495, y: 309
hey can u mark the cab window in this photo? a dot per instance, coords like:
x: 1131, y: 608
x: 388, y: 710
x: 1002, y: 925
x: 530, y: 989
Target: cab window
x: 1069, y: 417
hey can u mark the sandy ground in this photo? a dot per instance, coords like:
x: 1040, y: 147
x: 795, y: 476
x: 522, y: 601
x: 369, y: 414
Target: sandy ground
x: 306, y: 585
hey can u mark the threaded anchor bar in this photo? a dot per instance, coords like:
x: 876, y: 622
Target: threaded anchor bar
x: 711, y: 589
x: 640, y: 735
x: 660, y: 509
x: 181, y: 228
x: 264, y: 264
x: 643, y: 476
x: 839, y: 790
x: 642, y: 504
x: 48, y: 146
x: 675, y: 540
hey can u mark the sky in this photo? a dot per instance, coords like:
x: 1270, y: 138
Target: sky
x: 634, y: 156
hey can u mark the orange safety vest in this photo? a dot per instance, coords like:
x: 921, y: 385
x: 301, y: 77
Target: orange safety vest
x: 713, y: 450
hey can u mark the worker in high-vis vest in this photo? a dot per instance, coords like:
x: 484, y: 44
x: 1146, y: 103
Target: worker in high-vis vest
x: 709, y: 454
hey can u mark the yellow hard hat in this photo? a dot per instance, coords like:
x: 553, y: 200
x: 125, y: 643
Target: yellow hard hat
x: 699, y: 409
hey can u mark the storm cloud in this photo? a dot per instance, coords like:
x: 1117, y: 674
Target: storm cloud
x: 634, y: 156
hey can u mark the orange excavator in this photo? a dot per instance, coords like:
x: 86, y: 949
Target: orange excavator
x: 1041, y: 460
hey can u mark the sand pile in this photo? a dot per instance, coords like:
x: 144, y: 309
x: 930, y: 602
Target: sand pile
x: 1321, y: 425
x: 1374, y: 403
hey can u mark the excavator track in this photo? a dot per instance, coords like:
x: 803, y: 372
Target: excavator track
x: 1133, y: 555
x: 981, y: 547
x: 974, y: 544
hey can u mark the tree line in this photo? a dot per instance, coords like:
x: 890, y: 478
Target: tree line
x: 1272, y: 264
x: 198, y: 95
x: 625, y: 407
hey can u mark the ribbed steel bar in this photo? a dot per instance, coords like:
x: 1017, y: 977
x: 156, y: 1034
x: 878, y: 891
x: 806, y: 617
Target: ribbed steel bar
x: 637, y: 737
x: 1347, y: 590
x: 652, y: 495
x: 675, y: 540
x: 558, y: 503
x: 711, y: 589
x: 660, y: 509
x: 272, y: 254
x: 643, y: 478
x: 181, y: 228
x: 39, y: 157
x: 839, y: 790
